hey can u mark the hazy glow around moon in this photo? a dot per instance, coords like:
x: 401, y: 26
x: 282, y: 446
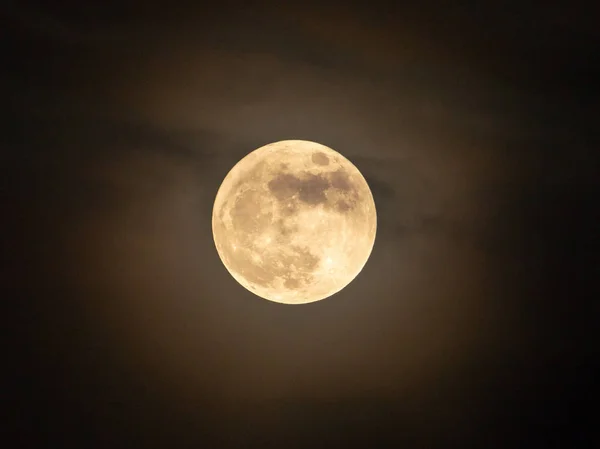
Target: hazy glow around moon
x: 294, y: 222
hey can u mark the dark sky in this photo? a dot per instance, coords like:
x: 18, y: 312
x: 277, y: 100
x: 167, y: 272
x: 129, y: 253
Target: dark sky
x: 472, y: 324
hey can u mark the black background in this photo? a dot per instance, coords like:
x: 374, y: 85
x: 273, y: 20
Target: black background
x: 472, y: 324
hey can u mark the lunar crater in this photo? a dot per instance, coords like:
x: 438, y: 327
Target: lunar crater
x: 320, y: 158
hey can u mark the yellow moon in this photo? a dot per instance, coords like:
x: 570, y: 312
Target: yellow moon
x: 294, y: 222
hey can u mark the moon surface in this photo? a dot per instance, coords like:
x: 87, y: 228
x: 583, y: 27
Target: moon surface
x: 294, y: 222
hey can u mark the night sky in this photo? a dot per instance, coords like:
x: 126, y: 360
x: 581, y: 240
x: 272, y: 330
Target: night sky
x: 473, y: 322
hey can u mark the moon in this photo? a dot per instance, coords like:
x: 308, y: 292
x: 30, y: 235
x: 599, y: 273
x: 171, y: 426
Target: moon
x: 294, y: 222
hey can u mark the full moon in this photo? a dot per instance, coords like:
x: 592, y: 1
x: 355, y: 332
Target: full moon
x: 294, y: 222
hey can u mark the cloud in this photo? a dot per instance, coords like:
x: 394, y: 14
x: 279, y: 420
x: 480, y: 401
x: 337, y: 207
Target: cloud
x: 125, y: 163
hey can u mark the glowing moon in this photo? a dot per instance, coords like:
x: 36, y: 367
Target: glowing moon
x: 294, y: 222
